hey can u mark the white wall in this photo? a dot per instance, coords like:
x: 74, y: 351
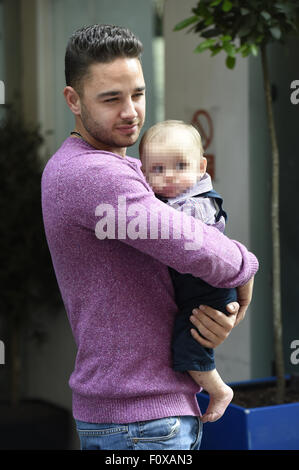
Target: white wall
x: 197, y: 81
x: 57, y: 20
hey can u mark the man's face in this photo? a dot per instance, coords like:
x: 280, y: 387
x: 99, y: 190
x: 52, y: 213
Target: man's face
x: 113, y: 104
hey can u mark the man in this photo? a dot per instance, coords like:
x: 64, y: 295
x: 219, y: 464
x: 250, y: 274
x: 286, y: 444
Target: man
x: 111, y: 260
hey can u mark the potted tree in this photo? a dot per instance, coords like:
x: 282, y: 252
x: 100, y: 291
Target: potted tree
x: 28, y: 288
x: 247, y: 27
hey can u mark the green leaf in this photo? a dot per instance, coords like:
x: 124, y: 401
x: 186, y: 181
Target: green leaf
x: 229, y: 49
x: 183, y: 24
x: 286, y: 9
x: 253, y: 49
x: 276, y: 33
x: 244, y: 49
x: 230, y: 62
x: 266, y: 15
x: 199, y: 26
x: 204, y: 45
x: 245, y: 30
x: 215, y: 50
x: 259, y: 39
x: 244, y: 11
x: 210, y: 33
x: 227, y: 5
x: 216, y: 3
x: 226, y: 38
x: 209, y: 21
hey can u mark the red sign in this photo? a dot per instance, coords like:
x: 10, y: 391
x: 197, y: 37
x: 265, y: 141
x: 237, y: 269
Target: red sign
x: 204, y: 124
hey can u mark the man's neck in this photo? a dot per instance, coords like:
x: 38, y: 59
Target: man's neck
x: 84, y: 134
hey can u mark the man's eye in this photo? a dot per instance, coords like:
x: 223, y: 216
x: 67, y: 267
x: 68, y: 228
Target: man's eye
x: 110, y: 100
x: 157, y: 169
x: 181, y: 165
x: 138, y: 95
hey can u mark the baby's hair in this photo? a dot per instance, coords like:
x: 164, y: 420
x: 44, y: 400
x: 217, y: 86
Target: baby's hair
x: 172, y: 125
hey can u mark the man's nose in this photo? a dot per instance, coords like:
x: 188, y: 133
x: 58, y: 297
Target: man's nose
x: 128, y: 111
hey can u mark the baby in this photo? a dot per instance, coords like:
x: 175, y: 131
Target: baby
x: 173, y: 164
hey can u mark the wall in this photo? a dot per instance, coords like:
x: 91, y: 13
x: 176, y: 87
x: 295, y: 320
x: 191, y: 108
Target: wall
x: 57, y: 20
x: 12, y: 51
x: 197, y: 81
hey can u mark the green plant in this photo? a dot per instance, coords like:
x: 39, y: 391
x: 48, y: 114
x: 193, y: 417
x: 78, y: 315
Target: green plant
x: 29, y: 290
x: 245, y: 27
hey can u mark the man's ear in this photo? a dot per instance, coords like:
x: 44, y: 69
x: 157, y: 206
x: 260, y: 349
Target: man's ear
x: 72, y: 100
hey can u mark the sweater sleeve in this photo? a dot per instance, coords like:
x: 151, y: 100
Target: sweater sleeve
x: 113, y: 201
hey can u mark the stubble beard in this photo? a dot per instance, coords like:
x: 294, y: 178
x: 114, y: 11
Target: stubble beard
x: 100, y: 133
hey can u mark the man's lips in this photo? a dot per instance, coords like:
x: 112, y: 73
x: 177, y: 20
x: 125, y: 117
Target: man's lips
x: 128, y: 128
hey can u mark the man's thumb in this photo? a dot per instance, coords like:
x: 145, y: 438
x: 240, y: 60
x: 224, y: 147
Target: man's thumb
x: 233, y: 307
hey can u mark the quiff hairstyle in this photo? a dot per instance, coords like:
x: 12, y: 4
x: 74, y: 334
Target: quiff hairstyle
x: 99, y: 43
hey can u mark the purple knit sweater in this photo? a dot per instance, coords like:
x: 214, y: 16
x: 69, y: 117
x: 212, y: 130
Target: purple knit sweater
x: 117, y: 290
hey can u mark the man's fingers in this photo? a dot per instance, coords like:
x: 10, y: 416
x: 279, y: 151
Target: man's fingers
x: 213, y: 325
x: 241, y: 315
x: 203, y: 341
x: 233, y: 308
x: 207, y: 326
x: 204, y: 327
x: 213, y: 318
x: 244, y: 298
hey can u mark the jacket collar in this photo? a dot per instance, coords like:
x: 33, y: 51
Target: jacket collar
x: 202, y: 186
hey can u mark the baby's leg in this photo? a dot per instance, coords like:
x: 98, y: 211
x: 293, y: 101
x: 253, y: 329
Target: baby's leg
x: 220, y: 393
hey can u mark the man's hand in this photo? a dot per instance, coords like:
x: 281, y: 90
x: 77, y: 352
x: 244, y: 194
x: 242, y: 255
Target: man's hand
x: 244, y: 298
x: 215, y: 326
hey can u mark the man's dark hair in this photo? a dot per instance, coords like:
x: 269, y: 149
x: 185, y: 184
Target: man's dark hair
x: 97, y: 43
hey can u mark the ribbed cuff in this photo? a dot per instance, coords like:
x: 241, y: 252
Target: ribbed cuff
x: 252, y: 266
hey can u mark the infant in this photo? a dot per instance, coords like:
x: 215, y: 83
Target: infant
x: 173, y: 164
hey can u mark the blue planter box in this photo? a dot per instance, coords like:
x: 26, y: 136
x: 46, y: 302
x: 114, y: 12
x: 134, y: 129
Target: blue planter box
x: 265, y: 428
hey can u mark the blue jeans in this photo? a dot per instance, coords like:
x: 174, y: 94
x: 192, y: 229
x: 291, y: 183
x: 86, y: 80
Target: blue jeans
x: 173, y: 433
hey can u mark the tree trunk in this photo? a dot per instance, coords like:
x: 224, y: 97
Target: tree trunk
x: 276, y: 282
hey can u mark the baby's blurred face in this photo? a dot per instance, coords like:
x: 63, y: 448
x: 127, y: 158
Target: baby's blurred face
x: 172, y: 164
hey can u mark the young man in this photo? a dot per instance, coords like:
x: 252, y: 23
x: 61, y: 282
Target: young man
x: 111, y: 255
